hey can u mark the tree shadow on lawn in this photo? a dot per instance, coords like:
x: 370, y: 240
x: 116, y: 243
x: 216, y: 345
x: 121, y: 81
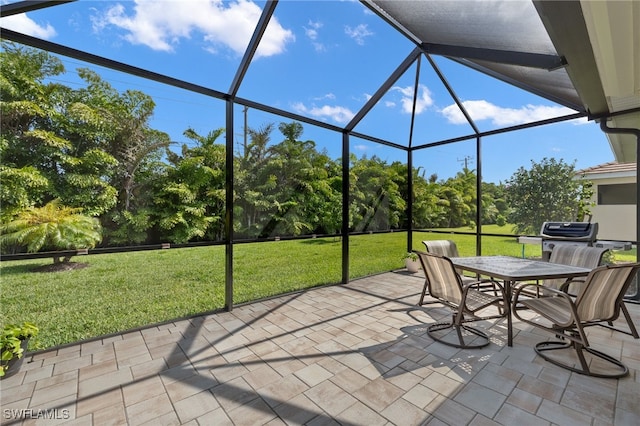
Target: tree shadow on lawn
x: 320, y: 241
x: 42, y: 267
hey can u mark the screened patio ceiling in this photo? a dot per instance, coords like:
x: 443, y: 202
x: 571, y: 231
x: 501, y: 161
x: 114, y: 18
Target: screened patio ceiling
x: 583, y: 55
x: 580, y: 54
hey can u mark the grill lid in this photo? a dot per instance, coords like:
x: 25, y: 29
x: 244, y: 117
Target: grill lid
x: 577, y: 231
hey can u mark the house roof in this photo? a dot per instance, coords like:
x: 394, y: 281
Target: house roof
x: 613, y: 167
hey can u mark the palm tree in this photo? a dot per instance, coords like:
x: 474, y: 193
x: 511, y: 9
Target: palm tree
x: 52, y: 227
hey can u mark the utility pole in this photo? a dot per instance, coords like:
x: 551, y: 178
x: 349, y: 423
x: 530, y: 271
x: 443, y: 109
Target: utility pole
x: 466, y: 160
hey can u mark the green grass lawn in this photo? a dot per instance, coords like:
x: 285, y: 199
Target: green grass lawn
x: 121, y: 291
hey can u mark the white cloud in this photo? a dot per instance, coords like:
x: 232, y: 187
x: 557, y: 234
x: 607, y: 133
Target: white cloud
x: 482, y: 110
x: 312, y: 33
x: 312, y: 30
x: 23, y: 24
x: 338, y: 114
x: 327, y: 96
x: 319, y: 47
x: 161, y: 25
x: 358, y: 33
x: 423, y: 102
x: 580, y: 121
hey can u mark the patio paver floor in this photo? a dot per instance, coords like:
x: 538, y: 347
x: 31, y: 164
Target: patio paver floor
x: 356, y: 354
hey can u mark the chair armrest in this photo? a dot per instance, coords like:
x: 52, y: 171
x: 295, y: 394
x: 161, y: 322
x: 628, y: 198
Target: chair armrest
x: 565, y: 285
x: 574, y: 319
x: 519, y: 287
x: 546, y: 289
x: 468, y: 285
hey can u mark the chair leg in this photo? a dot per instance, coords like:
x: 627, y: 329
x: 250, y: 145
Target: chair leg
x: 632, y: 328
x: 464, y: 333
x: 424, y: 294
x: 555, y: 345
x: 583, y: 362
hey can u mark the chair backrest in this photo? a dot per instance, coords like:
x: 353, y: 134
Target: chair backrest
x: 575, y: 255
x: 600, y: 296
x: 446, y: 248
x: 583, y: 256
x: 444, y: 283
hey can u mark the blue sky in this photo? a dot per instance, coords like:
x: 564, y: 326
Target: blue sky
x: 323, y: 59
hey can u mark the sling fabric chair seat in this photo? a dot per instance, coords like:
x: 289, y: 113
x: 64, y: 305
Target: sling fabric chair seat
x: 446, y: 285
x: 598, y: 301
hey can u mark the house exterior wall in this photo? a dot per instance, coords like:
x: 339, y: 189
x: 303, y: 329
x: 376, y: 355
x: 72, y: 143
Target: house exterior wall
x: 615, y: 222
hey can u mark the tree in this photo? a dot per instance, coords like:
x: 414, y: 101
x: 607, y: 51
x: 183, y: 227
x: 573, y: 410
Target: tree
x: 460, y: 192
x: 117, y: 125
x: 548, y: 192
x: 52, y: 227
x: 296, y: 168
x: 252, y: 202
x: 376, y: 201
x: 25, y: 107
x: 20, y: 188
x: 48, y: 143
x: 93, y: 148
x: 429, y: 204
x: 189, y: 201
x: 127, y: 137
x: 288, y: 188
x: 494, y: 205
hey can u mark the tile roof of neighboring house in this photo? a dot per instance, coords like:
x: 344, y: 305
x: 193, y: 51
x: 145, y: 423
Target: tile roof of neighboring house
x: 611, y: 167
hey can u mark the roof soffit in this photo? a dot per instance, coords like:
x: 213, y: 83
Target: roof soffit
x: 614, y: 31
x: 615, y: 37
x: 566, y: 27
x: 600, y: 40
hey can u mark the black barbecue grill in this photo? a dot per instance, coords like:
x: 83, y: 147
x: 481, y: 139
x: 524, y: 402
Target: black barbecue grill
x: 567, y: 233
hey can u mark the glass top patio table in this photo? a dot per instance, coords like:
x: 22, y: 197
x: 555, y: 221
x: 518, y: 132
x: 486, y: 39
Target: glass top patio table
x: 512, y: 269
x: 517, y: 269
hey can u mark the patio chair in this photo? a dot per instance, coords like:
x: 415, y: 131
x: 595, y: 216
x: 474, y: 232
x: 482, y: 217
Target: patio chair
x: 446, y: 248
x: 597, y: 302
x: 574, y: 255
x: 449, y: 248
x: 446, y: 285
x: 586, y: 257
